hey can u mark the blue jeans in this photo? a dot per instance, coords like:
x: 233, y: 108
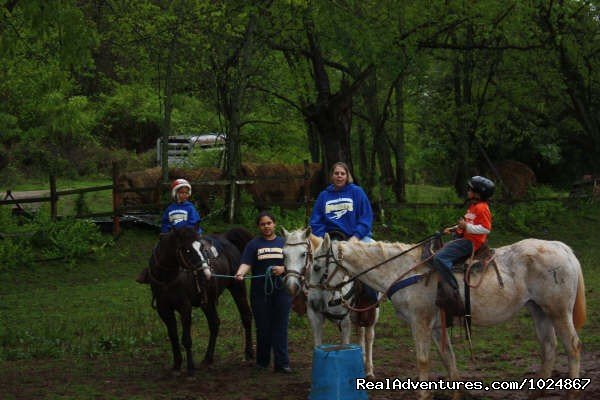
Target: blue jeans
x: 448, y: 255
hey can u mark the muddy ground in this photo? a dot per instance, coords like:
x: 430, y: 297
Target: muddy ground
x: 141, y: 377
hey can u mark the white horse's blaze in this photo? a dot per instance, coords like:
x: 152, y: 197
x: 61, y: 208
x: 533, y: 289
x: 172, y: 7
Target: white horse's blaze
x: 205, y: 268
x: 544, y: 276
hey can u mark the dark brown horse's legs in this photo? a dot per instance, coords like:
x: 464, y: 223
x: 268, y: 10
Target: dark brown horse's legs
x: 186, y: 338
x: 168, y: 317
x: 213, y: 326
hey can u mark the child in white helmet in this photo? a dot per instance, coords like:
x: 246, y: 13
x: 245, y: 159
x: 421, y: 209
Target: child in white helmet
x: 181, y: 212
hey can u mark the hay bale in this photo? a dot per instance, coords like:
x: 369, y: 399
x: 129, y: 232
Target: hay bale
x: 517, y: 177
x: 139, y: 179
x: 286, y: 189
x: 202, y: 195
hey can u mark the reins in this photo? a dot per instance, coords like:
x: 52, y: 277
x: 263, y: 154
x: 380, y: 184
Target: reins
x: 339, y: 262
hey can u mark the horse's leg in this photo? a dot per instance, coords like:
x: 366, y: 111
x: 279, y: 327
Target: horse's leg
x: 547, y: 338
x: 563, y: 325
x: 168, y: 317
x: 346, y: 327
x: 369, y: 334
x: 238, y: 292
x: 316, y: 320
x: 421, y: 332
x: 210, y: 311
x: 447, y: 353
x: 186, y: 336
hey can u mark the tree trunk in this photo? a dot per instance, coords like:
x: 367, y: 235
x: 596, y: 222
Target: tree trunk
x: 331, y: 114
x: 399, y: 186
x: 167, y: 110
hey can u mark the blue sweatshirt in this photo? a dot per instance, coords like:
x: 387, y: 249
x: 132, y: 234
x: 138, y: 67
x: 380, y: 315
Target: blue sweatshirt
x: 347, y: 210
x: 179, y: 215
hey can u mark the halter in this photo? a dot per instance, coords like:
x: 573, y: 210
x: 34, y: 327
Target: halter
x: 301, y: 276
x: 324, y: 282
x: 182, y: 263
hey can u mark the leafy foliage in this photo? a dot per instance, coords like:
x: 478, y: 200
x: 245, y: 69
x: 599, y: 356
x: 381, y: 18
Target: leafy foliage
x: 39, y: 239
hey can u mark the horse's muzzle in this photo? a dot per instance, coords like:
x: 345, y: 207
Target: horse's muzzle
x: 292, y: 284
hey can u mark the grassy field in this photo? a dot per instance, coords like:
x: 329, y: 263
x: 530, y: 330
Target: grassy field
x: 87, y: 331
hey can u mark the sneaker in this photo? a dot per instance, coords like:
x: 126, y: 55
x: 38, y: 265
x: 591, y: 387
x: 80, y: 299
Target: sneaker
x: 283, y: 370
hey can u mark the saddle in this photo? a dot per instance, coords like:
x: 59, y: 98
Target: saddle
x: 480, y: 259
x: 449, y: 299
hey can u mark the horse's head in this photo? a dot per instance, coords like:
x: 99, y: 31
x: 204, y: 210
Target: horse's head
x: 327, y: 270
x: 297, y: 254
x: 327, y: 276
x: 188, y: 250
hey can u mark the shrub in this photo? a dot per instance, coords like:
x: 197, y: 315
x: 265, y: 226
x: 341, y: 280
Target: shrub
x: 68, y: 238
x: 27, y: 240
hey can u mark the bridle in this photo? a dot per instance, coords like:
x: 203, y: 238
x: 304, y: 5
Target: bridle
x: 301, y: 275
x: 183, y: 265
x: 325, y: 281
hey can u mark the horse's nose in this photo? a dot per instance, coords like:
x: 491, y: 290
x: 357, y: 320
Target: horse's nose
x: 291, y: 284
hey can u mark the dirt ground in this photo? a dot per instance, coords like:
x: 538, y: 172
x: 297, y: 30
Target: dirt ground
x: 143, y: 377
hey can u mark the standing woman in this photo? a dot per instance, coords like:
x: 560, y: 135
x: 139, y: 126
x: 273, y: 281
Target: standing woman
x: 269, y: 300
x: 342, y: 207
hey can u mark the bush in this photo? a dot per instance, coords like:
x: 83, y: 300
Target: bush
x: 40, y: 238
x: 527, y: 218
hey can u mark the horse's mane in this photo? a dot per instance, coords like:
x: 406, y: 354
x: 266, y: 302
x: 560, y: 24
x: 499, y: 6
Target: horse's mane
x: 239, y: 237
x: 380, y: 249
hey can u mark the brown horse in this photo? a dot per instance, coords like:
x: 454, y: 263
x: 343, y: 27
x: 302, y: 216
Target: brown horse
x: 179, y: 284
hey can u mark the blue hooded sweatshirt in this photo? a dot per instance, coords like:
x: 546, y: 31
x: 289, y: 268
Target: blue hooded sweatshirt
x: 179, y: 215
x: 347, y: 210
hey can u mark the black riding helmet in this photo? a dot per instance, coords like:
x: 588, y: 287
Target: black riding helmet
x: 482, y: 185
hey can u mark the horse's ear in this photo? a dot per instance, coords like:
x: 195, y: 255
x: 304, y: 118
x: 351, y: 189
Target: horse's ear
x: 284, y: 232
x: 326, y: 241
x: 308, y: 232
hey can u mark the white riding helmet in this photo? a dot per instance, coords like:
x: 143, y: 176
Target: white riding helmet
x: 178, y: 184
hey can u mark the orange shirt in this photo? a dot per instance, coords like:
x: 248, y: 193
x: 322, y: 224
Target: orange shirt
x: 477, y: 214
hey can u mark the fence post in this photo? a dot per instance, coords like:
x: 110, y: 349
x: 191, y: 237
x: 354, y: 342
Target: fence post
x: 116, y: 200
x: 306, y: 188
x: 53, y: 198
x: 232, y: 195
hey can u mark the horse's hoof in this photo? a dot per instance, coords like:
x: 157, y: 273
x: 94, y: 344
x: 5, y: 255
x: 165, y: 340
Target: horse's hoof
x: 370, y: 377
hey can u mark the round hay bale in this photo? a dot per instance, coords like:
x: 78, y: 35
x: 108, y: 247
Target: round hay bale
x: 517, y: 177
x: 285, y: 188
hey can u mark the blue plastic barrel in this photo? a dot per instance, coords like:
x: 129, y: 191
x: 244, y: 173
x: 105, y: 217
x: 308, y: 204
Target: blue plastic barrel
x: 335, y: 369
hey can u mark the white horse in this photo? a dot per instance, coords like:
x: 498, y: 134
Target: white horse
x: 544, y: 276
x: 323, y: 304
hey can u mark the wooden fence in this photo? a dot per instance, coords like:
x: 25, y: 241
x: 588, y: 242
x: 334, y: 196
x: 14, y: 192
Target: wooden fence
x: 118, y: 209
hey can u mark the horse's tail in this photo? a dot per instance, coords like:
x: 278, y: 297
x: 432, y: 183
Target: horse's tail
x: 239, y: 237
x: 579, y: 309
